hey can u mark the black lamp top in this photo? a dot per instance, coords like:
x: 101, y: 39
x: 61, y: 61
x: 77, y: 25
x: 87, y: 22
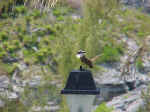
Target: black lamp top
x: 80, y: 82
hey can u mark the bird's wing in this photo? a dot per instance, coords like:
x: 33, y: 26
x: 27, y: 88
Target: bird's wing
x: 95, y: 58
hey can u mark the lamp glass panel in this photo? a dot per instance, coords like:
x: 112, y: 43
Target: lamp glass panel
x: 80, y: 103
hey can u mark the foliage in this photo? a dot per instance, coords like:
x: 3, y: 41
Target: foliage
x: 103, y: 108
x: 3, y: 36
x: 139, y: 63
x: 20, y: 9
x: 146, y: 97
x: 42, y: 54
x: 36, y: 14
x: 111, y: 53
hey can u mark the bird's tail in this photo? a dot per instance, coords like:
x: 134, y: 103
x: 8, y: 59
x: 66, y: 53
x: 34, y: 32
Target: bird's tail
x: 95, y: 58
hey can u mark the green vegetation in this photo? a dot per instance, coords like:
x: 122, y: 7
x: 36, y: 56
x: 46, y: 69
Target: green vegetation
x: 103, y: 108
x: 146, y: 98
x: 139, y: 63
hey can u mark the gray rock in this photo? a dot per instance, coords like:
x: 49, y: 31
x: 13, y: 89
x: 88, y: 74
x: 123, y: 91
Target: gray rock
x: 45, y: 108
x: 12, y: 96
x: 2, y: 103
x: 35, y: 81
x: 4, y: 81
x: 9, y: 59
x: 36, y: 109
x: 75, y: 16
x: 17, y: 89
x: 138, y: 3
x: 54, y: 108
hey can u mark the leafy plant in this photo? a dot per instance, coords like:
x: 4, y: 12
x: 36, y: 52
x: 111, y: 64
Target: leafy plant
x: 42, y: 54
x: 36, y: 14
x: 103, y: 108
x: 3, y: 36
x: 50, y: 30
x: 20, y: 9
x: 111, y: 53
x: 146, y: 98
x: 139, y: 63
x: 2, y: 53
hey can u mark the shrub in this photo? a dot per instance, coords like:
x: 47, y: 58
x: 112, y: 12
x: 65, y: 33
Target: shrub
x: 11, y: 48
x: 146, y: 98
x: 28, y: 19
x: 20, y: 10
x: 97, y: 9
x: 139, y: 63
x: 4, y: 16
x: 56, y: 12
x: 128, y: 28
x: 17, y: 44
x: 36, y: 14
x: 3, y: 36
x: 103, y: 108
x: 60, y: 18
x: 2, y: 52
x: 5, y: 45
x: 111, y: 53
x: 141, y: 34
x: 50, y: 30
x: 42, y: 54
x: 29, y: 41
x: 20, y: 36
x: 40, y: 33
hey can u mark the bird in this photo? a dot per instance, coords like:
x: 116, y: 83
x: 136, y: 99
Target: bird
x: 89, y: 62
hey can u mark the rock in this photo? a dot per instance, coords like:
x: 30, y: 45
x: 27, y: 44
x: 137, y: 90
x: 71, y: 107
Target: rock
x: 17, y: 89
x: 54, y: 108
x: 22, y: 66
x: 45, y: 108
x: 35, y: 48
x: 12, y: 96
x: 129, y: 102
x: 4, y: 81
x: 75, y: 3
x: 51, y: 103
x: 9, y: 59
x: 99, y: 21
x: 38, y: 29
x: 39, y: 39
x: 36, y: 109
x: 35, y: 81
x: 1, y: 103
x: 138, y: 3
x: 75, y: 16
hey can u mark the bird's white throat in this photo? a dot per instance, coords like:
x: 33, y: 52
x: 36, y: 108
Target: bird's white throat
x: 79, y: 55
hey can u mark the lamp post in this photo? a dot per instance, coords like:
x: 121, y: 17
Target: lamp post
x: 80, y: 91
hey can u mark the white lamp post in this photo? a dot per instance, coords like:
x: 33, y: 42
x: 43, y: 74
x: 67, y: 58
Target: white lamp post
x: 80, y: 91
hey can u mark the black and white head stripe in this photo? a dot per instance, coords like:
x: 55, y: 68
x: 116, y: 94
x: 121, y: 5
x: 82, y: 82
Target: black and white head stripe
x: 81, y: 52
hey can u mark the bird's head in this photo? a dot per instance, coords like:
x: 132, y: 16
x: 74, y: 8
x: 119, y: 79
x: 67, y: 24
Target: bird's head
x: 80, y: 54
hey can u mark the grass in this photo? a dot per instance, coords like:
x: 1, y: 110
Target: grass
x: 103, y: 108
x: 139, y: 64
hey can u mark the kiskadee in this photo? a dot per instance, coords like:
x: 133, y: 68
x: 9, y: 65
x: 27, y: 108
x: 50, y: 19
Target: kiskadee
x: 84, y: 59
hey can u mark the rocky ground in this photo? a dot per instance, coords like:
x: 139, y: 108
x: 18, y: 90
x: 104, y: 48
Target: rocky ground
x: 122, y: 96
x: 13, y: 89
